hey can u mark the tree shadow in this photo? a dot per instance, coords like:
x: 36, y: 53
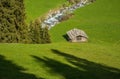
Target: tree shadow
x: 82, y: 69
x: 9, y: 70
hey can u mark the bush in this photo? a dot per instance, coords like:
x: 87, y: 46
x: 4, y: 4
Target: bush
x: 66, y: 17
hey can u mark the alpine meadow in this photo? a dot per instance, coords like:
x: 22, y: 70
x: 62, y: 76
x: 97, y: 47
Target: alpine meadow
x: 58, y: 58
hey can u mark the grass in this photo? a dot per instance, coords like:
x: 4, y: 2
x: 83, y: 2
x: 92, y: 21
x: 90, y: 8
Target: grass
x: 59, y: 61
x: 38, y: 8
x: 97, y: 59
x: 100, y: 21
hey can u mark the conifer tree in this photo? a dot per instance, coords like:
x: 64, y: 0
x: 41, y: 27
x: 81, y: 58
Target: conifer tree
x: 38, y: 35
x: 46, y: 36
x: 35, y: 32
x: 12, y: 22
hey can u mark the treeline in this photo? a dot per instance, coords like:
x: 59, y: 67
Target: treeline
x: 13, y: 28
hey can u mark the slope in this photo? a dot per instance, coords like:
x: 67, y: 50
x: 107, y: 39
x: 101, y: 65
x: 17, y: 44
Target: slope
x: 37, y: 8
x: 97, y: 59
x: 100, y: 20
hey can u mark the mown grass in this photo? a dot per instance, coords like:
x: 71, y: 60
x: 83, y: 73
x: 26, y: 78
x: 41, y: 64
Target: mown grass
x: 97, y: 59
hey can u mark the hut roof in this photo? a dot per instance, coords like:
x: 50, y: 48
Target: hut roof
x: 76, y: 32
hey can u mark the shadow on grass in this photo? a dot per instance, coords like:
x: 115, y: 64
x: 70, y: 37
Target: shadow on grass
x: 83, y: 69
x: 9, y: 70
x: 66, y: 37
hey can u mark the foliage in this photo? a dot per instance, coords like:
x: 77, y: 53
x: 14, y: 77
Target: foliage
x: 37, y: 34
x: 13, y: 28
x: 12, y: 22
x: 97, y: 59
x: 67, y: 16
x: 46, y: 36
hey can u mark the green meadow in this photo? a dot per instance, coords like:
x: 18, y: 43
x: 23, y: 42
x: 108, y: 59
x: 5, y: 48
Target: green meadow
x: 99, y: 58
x: 38, y: 8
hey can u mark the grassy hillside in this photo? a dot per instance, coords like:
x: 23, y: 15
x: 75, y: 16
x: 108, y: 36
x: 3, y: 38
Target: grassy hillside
x: 101, y: 21
x: 59, y: 61
x: 37, y: 8
x: 97, y: 59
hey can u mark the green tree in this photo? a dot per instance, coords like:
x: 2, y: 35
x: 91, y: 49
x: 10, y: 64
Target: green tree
x: 45, y: 36
x: 12, y: 22
x: 37, y: 34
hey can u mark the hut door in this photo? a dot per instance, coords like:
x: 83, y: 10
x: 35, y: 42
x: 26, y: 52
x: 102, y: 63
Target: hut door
x: 79, y: 37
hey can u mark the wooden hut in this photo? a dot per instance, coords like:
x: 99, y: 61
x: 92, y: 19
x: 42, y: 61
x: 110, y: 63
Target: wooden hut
x: 76, y: 35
